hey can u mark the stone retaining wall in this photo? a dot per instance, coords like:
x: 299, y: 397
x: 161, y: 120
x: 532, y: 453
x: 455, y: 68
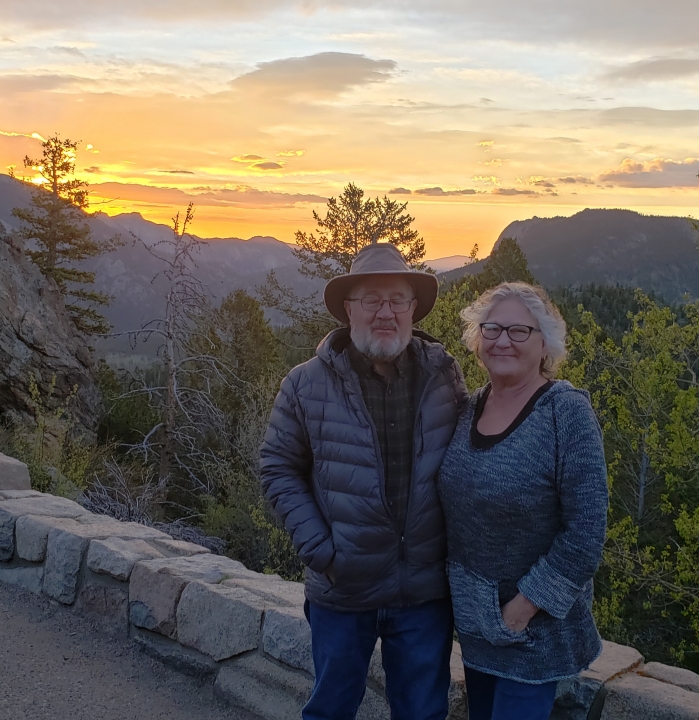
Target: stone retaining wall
x: 210, y: 615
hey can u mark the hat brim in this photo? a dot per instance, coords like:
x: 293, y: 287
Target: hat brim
x: 426, y: 291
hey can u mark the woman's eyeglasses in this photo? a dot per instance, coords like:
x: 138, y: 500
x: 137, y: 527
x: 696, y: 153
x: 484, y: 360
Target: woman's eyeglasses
x: 516, y: 333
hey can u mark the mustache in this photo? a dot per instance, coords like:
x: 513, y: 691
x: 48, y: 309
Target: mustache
x: 384, y: 325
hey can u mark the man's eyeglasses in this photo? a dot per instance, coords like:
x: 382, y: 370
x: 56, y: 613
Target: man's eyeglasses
x: 373, y: 304
x: 516, y: 333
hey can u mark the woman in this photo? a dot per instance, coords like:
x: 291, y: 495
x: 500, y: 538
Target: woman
x: 524, y: 490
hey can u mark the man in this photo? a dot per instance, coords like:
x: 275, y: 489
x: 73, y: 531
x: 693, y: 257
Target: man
x: 348, y: 462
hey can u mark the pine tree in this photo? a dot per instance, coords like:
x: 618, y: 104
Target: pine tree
x: 351, y: 222
x: 55, y: 224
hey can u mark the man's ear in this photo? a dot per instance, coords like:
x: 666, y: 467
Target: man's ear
x: 348, y: 309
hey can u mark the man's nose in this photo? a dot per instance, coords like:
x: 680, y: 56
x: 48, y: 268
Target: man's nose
x: 385, y: 312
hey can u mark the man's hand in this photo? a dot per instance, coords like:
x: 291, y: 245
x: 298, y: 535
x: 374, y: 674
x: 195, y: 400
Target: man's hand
x: 517, y: 613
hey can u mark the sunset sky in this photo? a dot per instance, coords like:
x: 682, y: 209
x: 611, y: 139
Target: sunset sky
x: 476, y: 113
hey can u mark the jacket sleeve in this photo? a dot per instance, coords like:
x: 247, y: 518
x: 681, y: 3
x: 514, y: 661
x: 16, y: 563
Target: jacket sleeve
x: 556, y: 580
x: 285, y: 474
x: 460, y: 389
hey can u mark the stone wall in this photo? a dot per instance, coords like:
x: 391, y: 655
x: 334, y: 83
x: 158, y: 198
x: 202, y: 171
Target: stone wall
x: 210, y: 615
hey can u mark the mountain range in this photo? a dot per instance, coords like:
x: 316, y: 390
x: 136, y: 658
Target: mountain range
x: 608, y: 247
x: 657, y: 254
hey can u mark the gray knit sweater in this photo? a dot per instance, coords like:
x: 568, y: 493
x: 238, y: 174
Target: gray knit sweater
x: 528, y: 515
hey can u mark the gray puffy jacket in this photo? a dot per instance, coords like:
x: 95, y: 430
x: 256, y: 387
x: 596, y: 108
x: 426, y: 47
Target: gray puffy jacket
x: 322, y: 473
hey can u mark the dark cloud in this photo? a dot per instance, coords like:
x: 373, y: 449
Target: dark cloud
x: 610, y: 23
x: 322, y: 75
x: 438, y: 192
x: 177, y: 172
x: 240, y: 196
x: 654, y: 174
x: 513, y: 191
x: 543, y: 183
x: 267, y: 166
x: 400, y: 191
x: 247, y: 158
x: 93, y: 169
x: 10, y: 84
x: 649, y: 117
x: 655, y: 69
x: 565, y: 139
x: 571, y: 179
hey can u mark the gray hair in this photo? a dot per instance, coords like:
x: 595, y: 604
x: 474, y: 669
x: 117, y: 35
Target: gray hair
x: 552, y: 325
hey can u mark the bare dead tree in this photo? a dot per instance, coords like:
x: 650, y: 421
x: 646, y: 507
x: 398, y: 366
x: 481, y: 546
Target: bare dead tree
x: 188, y: 412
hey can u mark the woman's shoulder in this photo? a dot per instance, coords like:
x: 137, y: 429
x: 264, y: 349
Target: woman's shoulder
x: 570, y: 406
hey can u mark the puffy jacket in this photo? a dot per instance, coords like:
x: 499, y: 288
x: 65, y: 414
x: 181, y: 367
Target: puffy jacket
x: 321, y: 471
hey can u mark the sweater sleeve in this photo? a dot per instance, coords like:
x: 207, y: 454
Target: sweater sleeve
x: 556, y: 580
x: 285, y: 474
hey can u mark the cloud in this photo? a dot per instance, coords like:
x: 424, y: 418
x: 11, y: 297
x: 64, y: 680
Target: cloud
x: 177, y: 172
x: 438, y: 192
x: 656, y: 173
x: 267, y: 166
x: 323, y: 75
x: 513, y: 191
x: 400, y: 191
x: 291, y: 153
x: 540, y: 22
x: 486, y: 143
x: 93, y: 169
x: 572, y: 179
x: 655, y: 69
x: 649, y: 117
x: 15, y: 84
x: 539, y: 181
x: 33, y: 136
x: 246, y: 158
x: 238, y: 196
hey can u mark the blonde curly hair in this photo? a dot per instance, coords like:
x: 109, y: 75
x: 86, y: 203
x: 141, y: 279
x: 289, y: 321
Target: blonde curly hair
x: 552, y: 325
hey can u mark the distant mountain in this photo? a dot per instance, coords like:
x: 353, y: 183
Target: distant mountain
x: 608, y: 247
x: 223, y: 264
x: 452, y: 262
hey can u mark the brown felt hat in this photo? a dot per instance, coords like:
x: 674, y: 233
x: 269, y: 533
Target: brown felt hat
x: 374, y: 260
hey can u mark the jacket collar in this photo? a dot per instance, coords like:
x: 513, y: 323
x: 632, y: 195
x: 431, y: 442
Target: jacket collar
x: 429, y: 353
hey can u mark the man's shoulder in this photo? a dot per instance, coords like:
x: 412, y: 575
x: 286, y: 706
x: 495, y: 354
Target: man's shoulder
x: 312, y: 371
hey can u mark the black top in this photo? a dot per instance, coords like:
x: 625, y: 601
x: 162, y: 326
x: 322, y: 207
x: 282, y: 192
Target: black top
x: 485, y: 442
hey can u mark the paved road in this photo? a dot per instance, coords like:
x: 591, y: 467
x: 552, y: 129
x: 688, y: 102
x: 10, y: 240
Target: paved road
x: 56, y: 666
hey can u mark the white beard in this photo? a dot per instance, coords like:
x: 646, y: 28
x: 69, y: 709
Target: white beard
x: 378, y: 348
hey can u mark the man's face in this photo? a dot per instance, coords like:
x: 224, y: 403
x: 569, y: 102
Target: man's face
x: 380, y: 332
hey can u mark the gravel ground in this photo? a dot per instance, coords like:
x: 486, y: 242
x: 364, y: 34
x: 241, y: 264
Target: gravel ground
x: 54, y: 665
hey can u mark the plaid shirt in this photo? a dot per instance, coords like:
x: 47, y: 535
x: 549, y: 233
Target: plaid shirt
x: 391, y: 405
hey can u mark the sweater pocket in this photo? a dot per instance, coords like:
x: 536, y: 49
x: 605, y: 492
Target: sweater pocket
x: 477, y: 609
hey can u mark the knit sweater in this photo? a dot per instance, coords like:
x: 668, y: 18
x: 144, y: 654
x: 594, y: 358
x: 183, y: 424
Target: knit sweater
x: 527, y: 515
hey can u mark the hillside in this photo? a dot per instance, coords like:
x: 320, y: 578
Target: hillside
x: 608, y: 247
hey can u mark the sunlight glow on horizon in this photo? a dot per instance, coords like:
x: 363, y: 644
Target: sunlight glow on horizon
x: 474, y: 118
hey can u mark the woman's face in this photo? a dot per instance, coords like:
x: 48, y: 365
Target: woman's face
x: 504, y: 358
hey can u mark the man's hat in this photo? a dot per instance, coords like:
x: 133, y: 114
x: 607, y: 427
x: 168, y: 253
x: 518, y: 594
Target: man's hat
x: 373, y: 261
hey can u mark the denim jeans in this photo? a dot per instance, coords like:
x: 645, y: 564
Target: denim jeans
x: 415, y: 645
x: 495, y: 698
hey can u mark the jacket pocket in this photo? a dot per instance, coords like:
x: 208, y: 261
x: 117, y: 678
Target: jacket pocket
x: 477, y: 609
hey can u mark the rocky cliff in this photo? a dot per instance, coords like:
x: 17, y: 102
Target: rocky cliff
x: 38, y: 343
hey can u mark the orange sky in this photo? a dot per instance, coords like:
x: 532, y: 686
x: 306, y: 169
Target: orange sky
x: 258, y: 112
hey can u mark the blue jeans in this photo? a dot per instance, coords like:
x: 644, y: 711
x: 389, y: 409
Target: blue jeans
x: 415, y: 646
x: 495, y: 698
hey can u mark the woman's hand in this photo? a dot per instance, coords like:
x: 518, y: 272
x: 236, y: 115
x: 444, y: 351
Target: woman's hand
x: 517, y: 613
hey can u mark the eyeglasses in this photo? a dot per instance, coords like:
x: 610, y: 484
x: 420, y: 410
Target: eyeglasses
x: 516, y: 333
x: 373, y: 304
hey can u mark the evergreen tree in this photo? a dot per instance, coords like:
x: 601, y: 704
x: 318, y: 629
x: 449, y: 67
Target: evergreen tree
x: 350, y: 223
x: 55, y: 225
